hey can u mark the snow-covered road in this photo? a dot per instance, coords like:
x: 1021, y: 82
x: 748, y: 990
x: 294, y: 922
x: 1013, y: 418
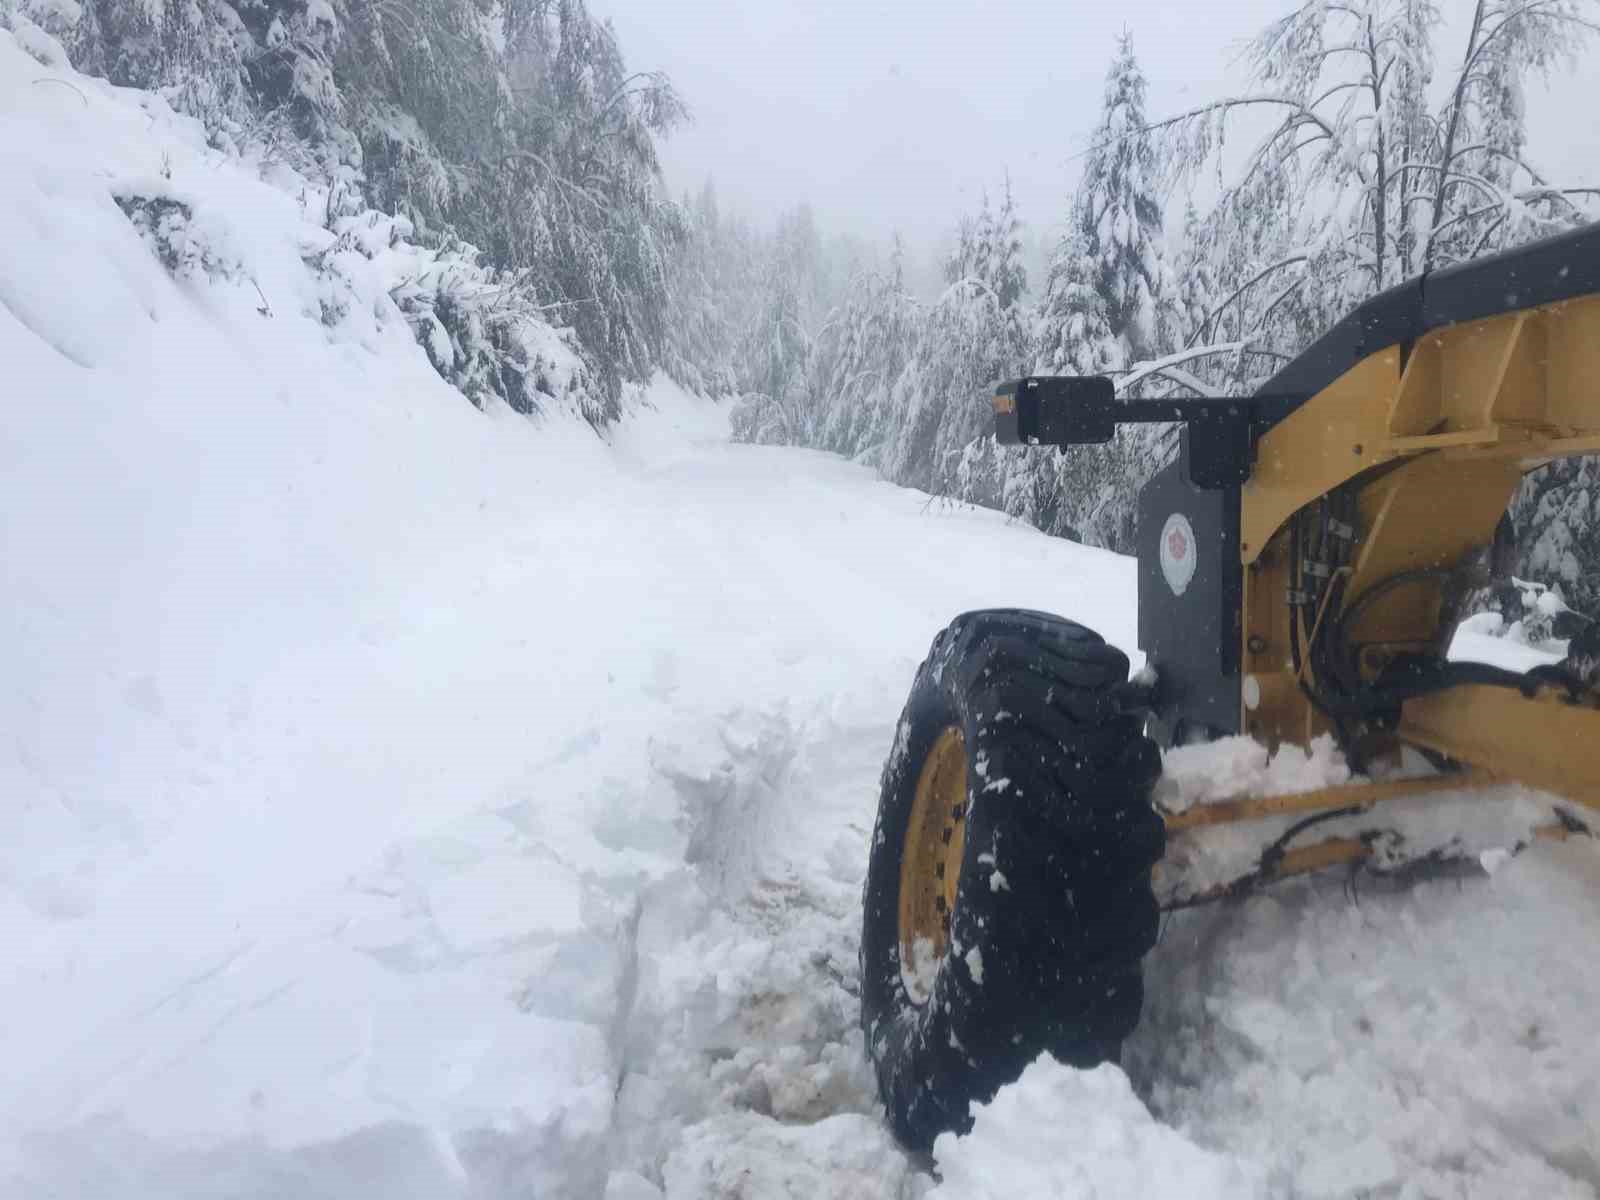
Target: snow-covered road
x: 567, y: 876
x: 402, y: 800
x: 598, y: 920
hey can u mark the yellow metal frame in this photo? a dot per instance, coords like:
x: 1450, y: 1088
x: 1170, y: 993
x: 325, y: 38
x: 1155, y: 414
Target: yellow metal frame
x: 1523, y: 386
x: 1546, y: 741
x: 1361, y: 796
x: 1435, y: 444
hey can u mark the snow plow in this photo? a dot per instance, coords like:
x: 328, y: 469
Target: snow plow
x: 1303, y: 564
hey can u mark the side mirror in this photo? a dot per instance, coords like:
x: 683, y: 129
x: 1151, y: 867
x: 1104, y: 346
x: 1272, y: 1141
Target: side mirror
x: 1055, y: 410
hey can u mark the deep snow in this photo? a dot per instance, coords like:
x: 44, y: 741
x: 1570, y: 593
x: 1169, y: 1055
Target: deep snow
x: 404, y: 800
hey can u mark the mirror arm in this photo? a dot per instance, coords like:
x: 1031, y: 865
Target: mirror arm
x: 1065, y: 410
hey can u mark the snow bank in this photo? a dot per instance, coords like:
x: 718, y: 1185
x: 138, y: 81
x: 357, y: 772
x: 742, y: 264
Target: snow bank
x: 1368, y: 1038
x: 267, y: 587
x: 402, y: 797
x: 1062, y: 1134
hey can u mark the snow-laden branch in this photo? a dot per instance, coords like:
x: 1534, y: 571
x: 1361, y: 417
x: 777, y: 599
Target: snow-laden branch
x: 1272, y: 305
x: 554, y: 175
x: 1301, y: 116
x: 966, y: 281
x: 1532, y: 7
x: 1348, y: 85
x: 658, y: 86
x: 1483, y: 239
x: 1196, y: 385
x: 1209, y: 324
x: 1167, y: 364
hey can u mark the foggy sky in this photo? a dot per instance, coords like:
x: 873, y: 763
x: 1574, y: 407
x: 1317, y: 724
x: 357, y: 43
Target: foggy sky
x: 894, y: 114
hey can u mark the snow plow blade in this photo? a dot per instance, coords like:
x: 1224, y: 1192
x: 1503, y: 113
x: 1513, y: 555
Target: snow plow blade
x: 1225, y: 849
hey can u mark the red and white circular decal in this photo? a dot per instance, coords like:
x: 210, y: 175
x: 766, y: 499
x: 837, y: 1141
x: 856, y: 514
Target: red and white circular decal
x: 1177, y: 553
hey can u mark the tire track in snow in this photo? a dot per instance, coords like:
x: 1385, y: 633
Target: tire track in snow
x: 744, y: 1068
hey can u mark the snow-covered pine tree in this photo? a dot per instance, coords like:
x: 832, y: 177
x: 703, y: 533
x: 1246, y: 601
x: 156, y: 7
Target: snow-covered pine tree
x: 993, y: 311
x: 1074, y: 331
x: 700, y: 332
x: 599, y: 236
x: 1557, y: 516
x: 974, y: 335
x: 1107, y: 305
x: 1118, y: 211
x: 1004, y: 267
x: 186, y: 49
x: 865, y: 346
x: 776, y: 363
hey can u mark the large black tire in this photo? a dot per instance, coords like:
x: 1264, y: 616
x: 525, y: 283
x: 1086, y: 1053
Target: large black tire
x: 1053, y: 907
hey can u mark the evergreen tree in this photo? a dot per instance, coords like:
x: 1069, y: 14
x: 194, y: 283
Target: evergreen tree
x: 701, y: 332
x: 1075, y: 333
x: 777, y: 365
x: 866, y: 347
x: 1107, y: 304
x: 1117, y: 213
x: 1108, y: 290
x: 974, y: 335
x: 1005, y: 270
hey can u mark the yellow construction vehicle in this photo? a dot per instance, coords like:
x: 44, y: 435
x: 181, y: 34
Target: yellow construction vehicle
x: 1303, y: 563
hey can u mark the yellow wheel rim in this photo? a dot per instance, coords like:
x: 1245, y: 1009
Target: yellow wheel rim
x: 930, y: 866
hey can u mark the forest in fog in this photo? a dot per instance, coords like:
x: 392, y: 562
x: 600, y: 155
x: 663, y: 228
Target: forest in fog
x: 516, y: 150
